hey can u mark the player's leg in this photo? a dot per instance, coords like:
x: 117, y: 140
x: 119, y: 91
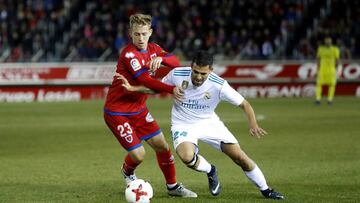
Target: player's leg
x: 166, y: 163
x: 150, y: 131
x: 331, y: 90
x: 124, y: 132
x: 131, y: 161
x: 185, y: 139
x: 331, y: 93
x: 188, y: 155
x: 318, y: 90
x: 164, y: 157
x: 252, y: 171
x: 318, y: 93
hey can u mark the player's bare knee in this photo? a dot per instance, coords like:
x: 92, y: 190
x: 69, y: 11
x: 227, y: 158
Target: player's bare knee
x: 185, y: 156
x: 160, y: 146
x: 164, y: 146
x: 245, y: 163
x: 138, y: 156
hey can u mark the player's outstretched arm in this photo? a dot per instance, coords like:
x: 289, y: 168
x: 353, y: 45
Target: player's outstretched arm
x: 131, y: 88
x: 178, y: 93
x: 255, y: 130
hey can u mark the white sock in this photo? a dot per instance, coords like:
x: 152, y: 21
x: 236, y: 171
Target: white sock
x: 257, y: 177
x: 204, y: 166
x: 171, y: 185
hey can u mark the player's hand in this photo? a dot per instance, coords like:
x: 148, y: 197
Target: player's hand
x: 155, y: 64
x: 178, y: 93
x: 257, y: 132
x: 126, y: 83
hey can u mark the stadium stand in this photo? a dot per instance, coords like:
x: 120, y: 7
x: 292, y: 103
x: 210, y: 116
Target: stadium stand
x: 95, y: 30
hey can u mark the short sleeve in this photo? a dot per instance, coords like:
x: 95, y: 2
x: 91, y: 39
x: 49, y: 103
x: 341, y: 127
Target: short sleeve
x: 168, y: 79
x: 318, y: 52
x: 337, y: 53
x: 227, y: 93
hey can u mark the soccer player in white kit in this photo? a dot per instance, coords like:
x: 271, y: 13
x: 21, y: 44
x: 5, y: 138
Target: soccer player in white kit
x: 193, y: 118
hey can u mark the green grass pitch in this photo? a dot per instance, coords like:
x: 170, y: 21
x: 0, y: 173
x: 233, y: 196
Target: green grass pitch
x: 63, y: 152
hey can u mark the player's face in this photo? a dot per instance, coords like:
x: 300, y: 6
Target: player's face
x: 199, y: 74
x: 328, y: 41
x: 140, y: 35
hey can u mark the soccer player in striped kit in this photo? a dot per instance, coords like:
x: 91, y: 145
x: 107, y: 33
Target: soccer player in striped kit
x: 193, y: 118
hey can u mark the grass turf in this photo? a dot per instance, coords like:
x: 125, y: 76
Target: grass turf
x: 63, y: 152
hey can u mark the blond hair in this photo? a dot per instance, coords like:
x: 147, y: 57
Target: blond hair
x: 140, y: 19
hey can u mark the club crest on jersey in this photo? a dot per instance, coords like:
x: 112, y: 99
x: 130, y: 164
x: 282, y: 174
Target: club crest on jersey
x: 184, y: 84
x: 135, y: 65
x: 207, y: 95
x: 129, y: 55
x: 152, y: 56
x: 149, y: 118
x: 129, y: 138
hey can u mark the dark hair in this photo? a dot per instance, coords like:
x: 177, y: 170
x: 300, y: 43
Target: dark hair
x: 203, y: 58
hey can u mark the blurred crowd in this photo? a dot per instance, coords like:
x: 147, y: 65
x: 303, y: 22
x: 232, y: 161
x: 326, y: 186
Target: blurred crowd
x: 96, y: 30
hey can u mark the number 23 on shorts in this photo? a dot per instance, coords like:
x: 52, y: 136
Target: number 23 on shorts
x: 125, y: 131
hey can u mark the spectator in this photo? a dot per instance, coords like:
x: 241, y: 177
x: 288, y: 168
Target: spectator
x: 222, y: 27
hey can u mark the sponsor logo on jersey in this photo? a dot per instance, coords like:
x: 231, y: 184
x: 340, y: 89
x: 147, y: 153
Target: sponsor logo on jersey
x: 149, y: 118
x: 129, y: 55
x: 135, y: 65
x: 184, y: 84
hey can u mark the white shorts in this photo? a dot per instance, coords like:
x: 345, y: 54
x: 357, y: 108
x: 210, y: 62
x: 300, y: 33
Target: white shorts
x: 212, y: 132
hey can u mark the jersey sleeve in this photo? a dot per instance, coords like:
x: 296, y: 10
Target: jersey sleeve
x: 169, y: 59
x: 227, y: 93
x: 155, y: 84
x: 337, y: 53
x: 318, y: 52
x: 168, y: 79
x: 141, y: 74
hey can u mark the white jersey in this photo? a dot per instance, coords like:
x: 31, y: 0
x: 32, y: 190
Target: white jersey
x: 199, y: 102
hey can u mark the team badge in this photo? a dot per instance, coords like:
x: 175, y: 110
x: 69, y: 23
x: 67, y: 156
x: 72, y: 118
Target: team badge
x: 152, y: 56
x: 207, y: 95
x: 135, y: 64
x: 129, y: 138
x: 149, y: 118
x: 184, y: 84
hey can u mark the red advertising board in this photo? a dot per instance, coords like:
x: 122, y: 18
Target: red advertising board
x: 77, y: 81
x: 52, y: 93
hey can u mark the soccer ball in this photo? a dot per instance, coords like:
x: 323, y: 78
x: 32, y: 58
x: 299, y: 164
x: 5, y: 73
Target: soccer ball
x: 138, y: 191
